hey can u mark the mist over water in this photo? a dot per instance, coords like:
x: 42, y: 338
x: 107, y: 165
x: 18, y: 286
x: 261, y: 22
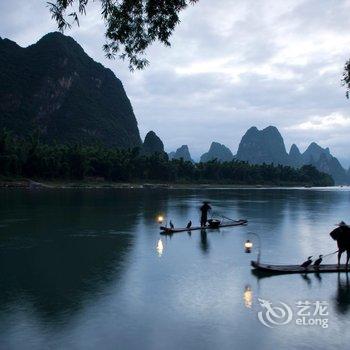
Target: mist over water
x: 86, y: 269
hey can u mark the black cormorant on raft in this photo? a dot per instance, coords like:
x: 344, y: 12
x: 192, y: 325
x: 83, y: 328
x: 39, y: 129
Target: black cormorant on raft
x: 318, y: 261
x: 307, y: 263
x: 171, y: 230
x: 285, y: 269
x: 341, y: 234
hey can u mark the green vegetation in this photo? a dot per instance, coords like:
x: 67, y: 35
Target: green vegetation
x: 53, y: 86
x: 30, y: 158
x: 131, y: 25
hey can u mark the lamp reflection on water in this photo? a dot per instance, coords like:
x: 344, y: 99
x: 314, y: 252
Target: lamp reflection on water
x: 160, y: 247
x: 248, y: 296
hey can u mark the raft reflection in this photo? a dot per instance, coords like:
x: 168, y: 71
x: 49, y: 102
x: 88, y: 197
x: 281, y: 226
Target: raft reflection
x: 342, y: 297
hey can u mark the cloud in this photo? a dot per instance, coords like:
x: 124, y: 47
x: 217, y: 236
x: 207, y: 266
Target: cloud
x: 232, y: 64
x: 330, y: 122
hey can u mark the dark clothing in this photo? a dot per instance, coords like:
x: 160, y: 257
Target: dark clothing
x: 342, y: 235
x: 204, y: 216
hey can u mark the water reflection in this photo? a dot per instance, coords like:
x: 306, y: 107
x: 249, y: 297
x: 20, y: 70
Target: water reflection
x: 248, y: 296
x: 160, y: 248
x: 204, y: 243
x: 342, y: 297
x: 307, y: 279
x: 318, y: 277
x: 70, y: 249
x: 83, y: 265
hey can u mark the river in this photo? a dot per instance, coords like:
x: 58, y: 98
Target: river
x: 85, y: 269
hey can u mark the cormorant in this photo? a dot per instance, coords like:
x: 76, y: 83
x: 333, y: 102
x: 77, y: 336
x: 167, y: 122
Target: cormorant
x: 306, y: 263
x: 171, y: 224
x: 317, y: 262
x: 189, y: 224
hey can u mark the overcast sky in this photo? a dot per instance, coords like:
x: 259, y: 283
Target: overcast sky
x: 233, y: 64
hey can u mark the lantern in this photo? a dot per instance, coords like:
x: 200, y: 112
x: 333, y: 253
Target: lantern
x: 248, y: 245
x: 160, y: 219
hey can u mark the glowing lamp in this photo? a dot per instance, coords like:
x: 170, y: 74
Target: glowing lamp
x: 160, y: 219
x: 248, y: 245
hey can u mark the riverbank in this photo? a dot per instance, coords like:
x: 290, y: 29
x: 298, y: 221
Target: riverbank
x: 97, y: 183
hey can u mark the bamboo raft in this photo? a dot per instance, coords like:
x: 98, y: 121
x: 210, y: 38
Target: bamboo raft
x: 287, y: 269
x: 170, y: 231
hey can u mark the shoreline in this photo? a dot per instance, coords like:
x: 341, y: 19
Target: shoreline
x: 100, y: 184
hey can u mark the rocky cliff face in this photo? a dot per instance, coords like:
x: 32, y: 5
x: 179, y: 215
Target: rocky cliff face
x: 55, y: 88
x: 262, y: 146
x: 219, y: 152
x: 182, y: 152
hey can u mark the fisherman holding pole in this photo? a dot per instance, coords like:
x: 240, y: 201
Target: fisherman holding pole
x: 205, y: 208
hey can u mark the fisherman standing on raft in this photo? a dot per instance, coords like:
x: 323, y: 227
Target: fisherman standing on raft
x: 342, y: 235
x: 205, y: 208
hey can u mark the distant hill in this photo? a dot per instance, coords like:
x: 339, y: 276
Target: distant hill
x: 267, y: 146
x: 295, y: 157
x: 217, y: 151
x: 263, y: 146
x: 314, y: 152
x: 55, y: 88
x: 182, y: 152
x: 345, y: 162
x: 152, y: 145
x: 322, y: 159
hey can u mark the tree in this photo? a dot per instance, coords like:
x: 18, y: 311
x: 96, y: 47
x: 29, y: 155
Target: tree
x: 346, y: 78
x: 131, y: 25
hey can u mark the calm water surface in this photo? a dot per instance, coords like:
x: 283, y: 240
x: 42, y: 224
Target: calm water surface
x: 80, y: 269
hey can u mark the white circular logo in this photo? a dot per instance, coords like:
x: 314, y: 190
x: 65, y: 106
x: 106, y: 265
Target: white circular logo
x: 274, y: 315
